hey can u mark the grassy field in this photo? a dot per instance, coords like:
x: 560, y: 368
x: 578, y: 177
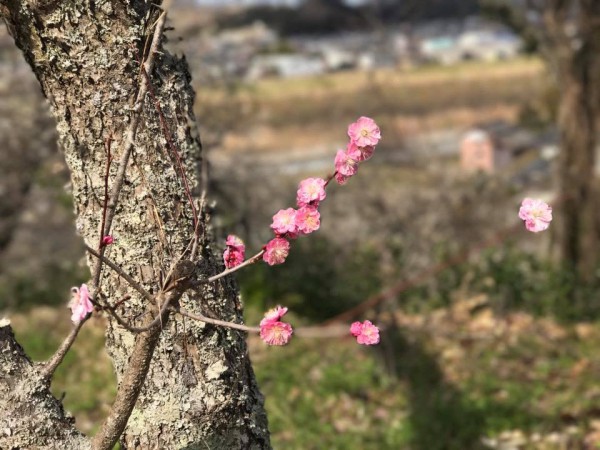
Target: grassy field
x: 457, y: 377
x: 300, y: 113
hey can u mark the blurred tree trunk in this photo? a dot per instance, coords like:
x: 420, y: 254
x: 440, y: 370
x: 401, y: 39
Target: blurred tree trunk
x: 573, y: 44
x: 200, y: 390
x: 567, y: 34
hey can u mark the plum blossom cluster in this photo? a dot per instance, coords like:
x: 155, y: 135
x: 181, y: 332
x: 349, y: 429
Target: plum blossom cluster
x: 536, y: 213
x: 365, y: 333
x: 272, y: 330
x: 80, y: 303
x: 291, y: 223
x: 364, y: 136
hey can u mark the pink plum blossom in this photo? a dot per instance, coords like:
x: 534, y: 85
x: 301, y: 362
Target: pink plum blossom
x: 536, y: 213
x: 284, y: 222
x: 275, y: 332
x: 235, y: 242
x: 274, y: 314
x: 80, y: 303
x: 310, y: 192
x: 107, y: 240
x: 276, y: 251
x: 366, y: 333
x: 308, y: 219
x: 341, y: 179
x: 346, y: 164
x: 272, y: 330
x: 234, y: 253
x: 364, y: 132
x: 360, y: 153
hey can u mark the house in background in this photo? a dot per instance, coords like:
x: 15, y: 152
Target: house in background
x: 478, y: 152
x: 285, y: 66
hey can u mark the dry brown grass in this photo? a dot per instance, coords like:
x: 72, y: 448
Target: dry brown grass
x: 309, y: 114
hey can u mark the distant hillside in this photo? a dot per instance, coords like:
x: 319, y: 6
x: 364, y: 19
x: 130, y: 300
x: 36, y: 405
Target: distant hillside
x: 334, y: 16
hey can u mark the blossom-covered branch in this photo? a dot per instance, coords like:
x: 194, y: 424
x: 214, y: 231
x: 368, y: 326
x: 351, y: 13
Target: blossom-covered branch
x: 291, y: 223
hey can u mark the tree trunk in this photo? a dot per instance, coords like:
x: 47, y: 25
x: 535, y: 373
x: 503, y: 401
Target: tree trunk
x: 200, y: 390
x: 31, y: 417
x: 577, y: 122
x: 579, y: 78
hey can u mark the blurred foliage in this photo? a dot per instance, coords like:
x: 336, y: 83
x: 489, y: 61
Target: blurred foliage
x: 542, y: 111
x: 24, y: 290
x: 518, y: 280
x: 318, y: 279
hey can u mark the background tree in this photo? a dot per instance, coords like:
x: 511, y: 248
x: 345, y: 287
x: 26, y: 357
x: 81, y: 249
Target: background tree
x: 123, y: 107
x: 567, y: 33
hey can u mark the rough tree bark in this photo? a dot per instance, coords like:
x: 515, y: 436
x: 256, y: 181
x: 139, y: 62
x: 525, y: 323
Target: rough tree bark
x: 578, y: 69
x: 200, y: 390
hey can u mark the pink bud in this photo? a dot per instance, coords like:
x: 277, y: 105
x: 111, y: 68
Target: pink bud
x: 107, y: 240
x: 234, y: 253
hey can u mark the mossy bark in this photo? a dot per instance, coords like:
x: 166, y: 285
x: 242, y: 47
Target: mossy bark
x: 200, y: 390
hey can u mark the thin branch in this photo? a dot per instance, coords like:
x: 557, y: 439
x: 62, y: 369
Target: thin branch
x: 128, y: 327
x: 328, y: 331
x: 168, y: 137
x: 134, y: 284
x: 236, y: 268
x: 109, y: 158
x: 148, y: 67
x: 60, y: 353
x: 329, y: 178
x: 223, y: 323
x: 110, y: 207
x: 129, y: 390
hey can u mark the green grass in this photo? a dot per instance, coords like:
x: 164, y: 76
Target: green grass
x: 440, y: 381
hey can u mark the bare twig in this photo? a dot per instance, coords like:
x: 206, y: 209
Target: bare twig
x: 148, y: 66
x: 328, y: 331
x: 137, y: 369
x: 110, y: 209
x: 109, y: 159
x: 321, y: 332
x: 134, y: 284
x: 174, y: 151
x: 129, y: 390
x: 236, y: 268
x: 59, y: 355
x: 133, y: 329
x: 223, y: 323
x: 329, y: 178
